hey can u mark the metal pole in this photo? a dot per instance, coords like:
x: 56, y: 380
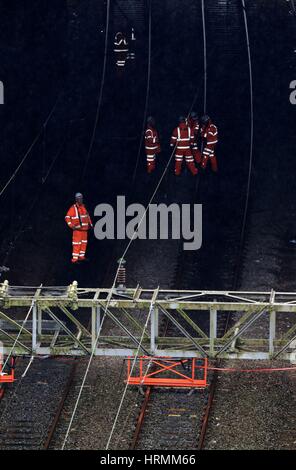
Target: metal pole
x: 34, y: 327
x: 39, y: 323
x: 272, y: 325
x: 154, y: 329
x: 93, y: 326
x: 98, y: 324
x: 213, y: 329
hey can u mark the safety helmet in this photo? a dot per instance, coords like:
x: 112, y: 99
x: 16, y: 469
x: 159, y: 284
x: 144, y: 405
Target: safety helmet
x: 204, y: 120
x: 77, y: 195
x: 193, y: 115
x: 182, y: 119
x: 151, y: 120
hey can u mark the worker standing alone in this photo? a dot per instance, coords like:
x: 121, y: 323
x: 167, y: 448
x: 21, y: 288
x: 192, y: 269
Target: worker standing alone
x: 209, y: 134
x: 120, y: 50
x: 152, y: 145
x: 79, y: 221
x: 183, y: 139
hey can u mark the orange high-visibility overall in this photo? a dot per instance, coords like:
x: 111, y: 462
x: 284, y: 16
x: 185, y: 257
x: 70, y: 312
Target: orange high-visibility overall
x: 80, y: 222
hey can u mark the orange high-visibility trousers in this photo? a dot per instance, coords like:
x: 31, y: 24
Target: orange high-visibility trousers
x: 213, y: 161
x: 79, y: 244
x: 150, y: 164
x: 196, y: 155
x: 186, y: 153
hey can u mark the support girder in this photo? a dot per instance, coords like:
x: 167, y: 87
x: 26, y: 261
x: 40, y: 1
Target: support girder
x: 71, y: 335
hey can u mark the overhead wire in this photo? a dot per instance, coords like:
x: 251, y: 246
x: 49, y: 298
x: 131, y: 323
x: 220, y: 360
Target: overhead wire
x: 114, y: 282
x: 19, y: 333
x: 37, y: 198
x: 110, y: 298
x: 131, y: 371
x: 41, y: 132
x: 205, y: 53
x: 100, y: 95
x: 27, y: 153
x: 147, y: 95
x: 246, y: 206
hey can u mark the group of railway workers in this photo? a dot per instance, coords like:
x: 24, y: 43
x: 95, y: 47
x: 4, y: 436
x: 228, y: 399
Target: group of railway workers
x: 194, y: 139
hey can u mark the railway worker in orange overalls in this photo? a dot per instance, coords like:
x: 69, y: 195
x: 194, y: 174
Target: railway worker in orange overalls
x: 80, y: 222
x: 194, y: 125
x: 209, y: 135
x: 152, y: 145
x: 183, y: 139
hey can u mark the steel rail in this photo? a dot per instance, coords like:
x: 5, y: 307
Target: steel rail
x: 214, y: 381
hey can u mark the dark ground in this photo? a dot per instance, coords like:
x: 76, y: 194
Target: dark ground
x: 53, y: 51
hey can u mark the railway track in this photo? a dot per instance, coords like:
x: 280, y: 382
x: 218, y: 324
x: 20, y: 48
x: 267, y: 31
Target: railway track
x: 30, y: 411
x: 176, y: 414
x: 181, y: 416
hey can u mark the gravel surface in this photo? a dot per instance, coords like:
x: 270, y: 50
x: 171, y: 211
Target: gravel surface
x: 105, y: 382
x: 28, y: 408
x: 257, y: 411
x: 172, y: 420
x: 252, y: 411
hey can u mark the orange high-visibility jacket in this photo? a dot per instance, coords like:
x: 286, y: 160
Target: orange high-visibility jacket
x: 194, y: 126
x: 78, y: 218
x: 210, y: 134
x: 182, y: 137
x: 152, y: 145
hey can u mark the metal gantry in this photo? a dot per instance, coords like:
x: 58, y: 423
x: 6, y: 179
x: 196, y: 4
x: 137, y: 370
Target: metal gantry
x: 67, y: 321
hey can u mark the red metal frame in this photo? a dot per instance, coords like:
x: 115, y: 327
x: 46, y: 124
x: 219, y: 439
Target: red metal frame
x: 7, y: 378
x: 165, y: 364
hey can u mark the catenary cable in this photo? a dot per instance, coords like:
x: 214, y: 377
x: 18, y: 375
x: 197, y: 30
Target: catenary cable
x: 147, y: 94
x: 243, y: 227
x: 110, y: 296
x: 109, y: 300
x: 242, y: 235
x: 111, y: 292
x: 205, y: 53
x: 114, y: 282
x: 100, y: 95
x: 19, y: 333
x: 27, y: 153
x: 37, y: 198
x: 126, y: 386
